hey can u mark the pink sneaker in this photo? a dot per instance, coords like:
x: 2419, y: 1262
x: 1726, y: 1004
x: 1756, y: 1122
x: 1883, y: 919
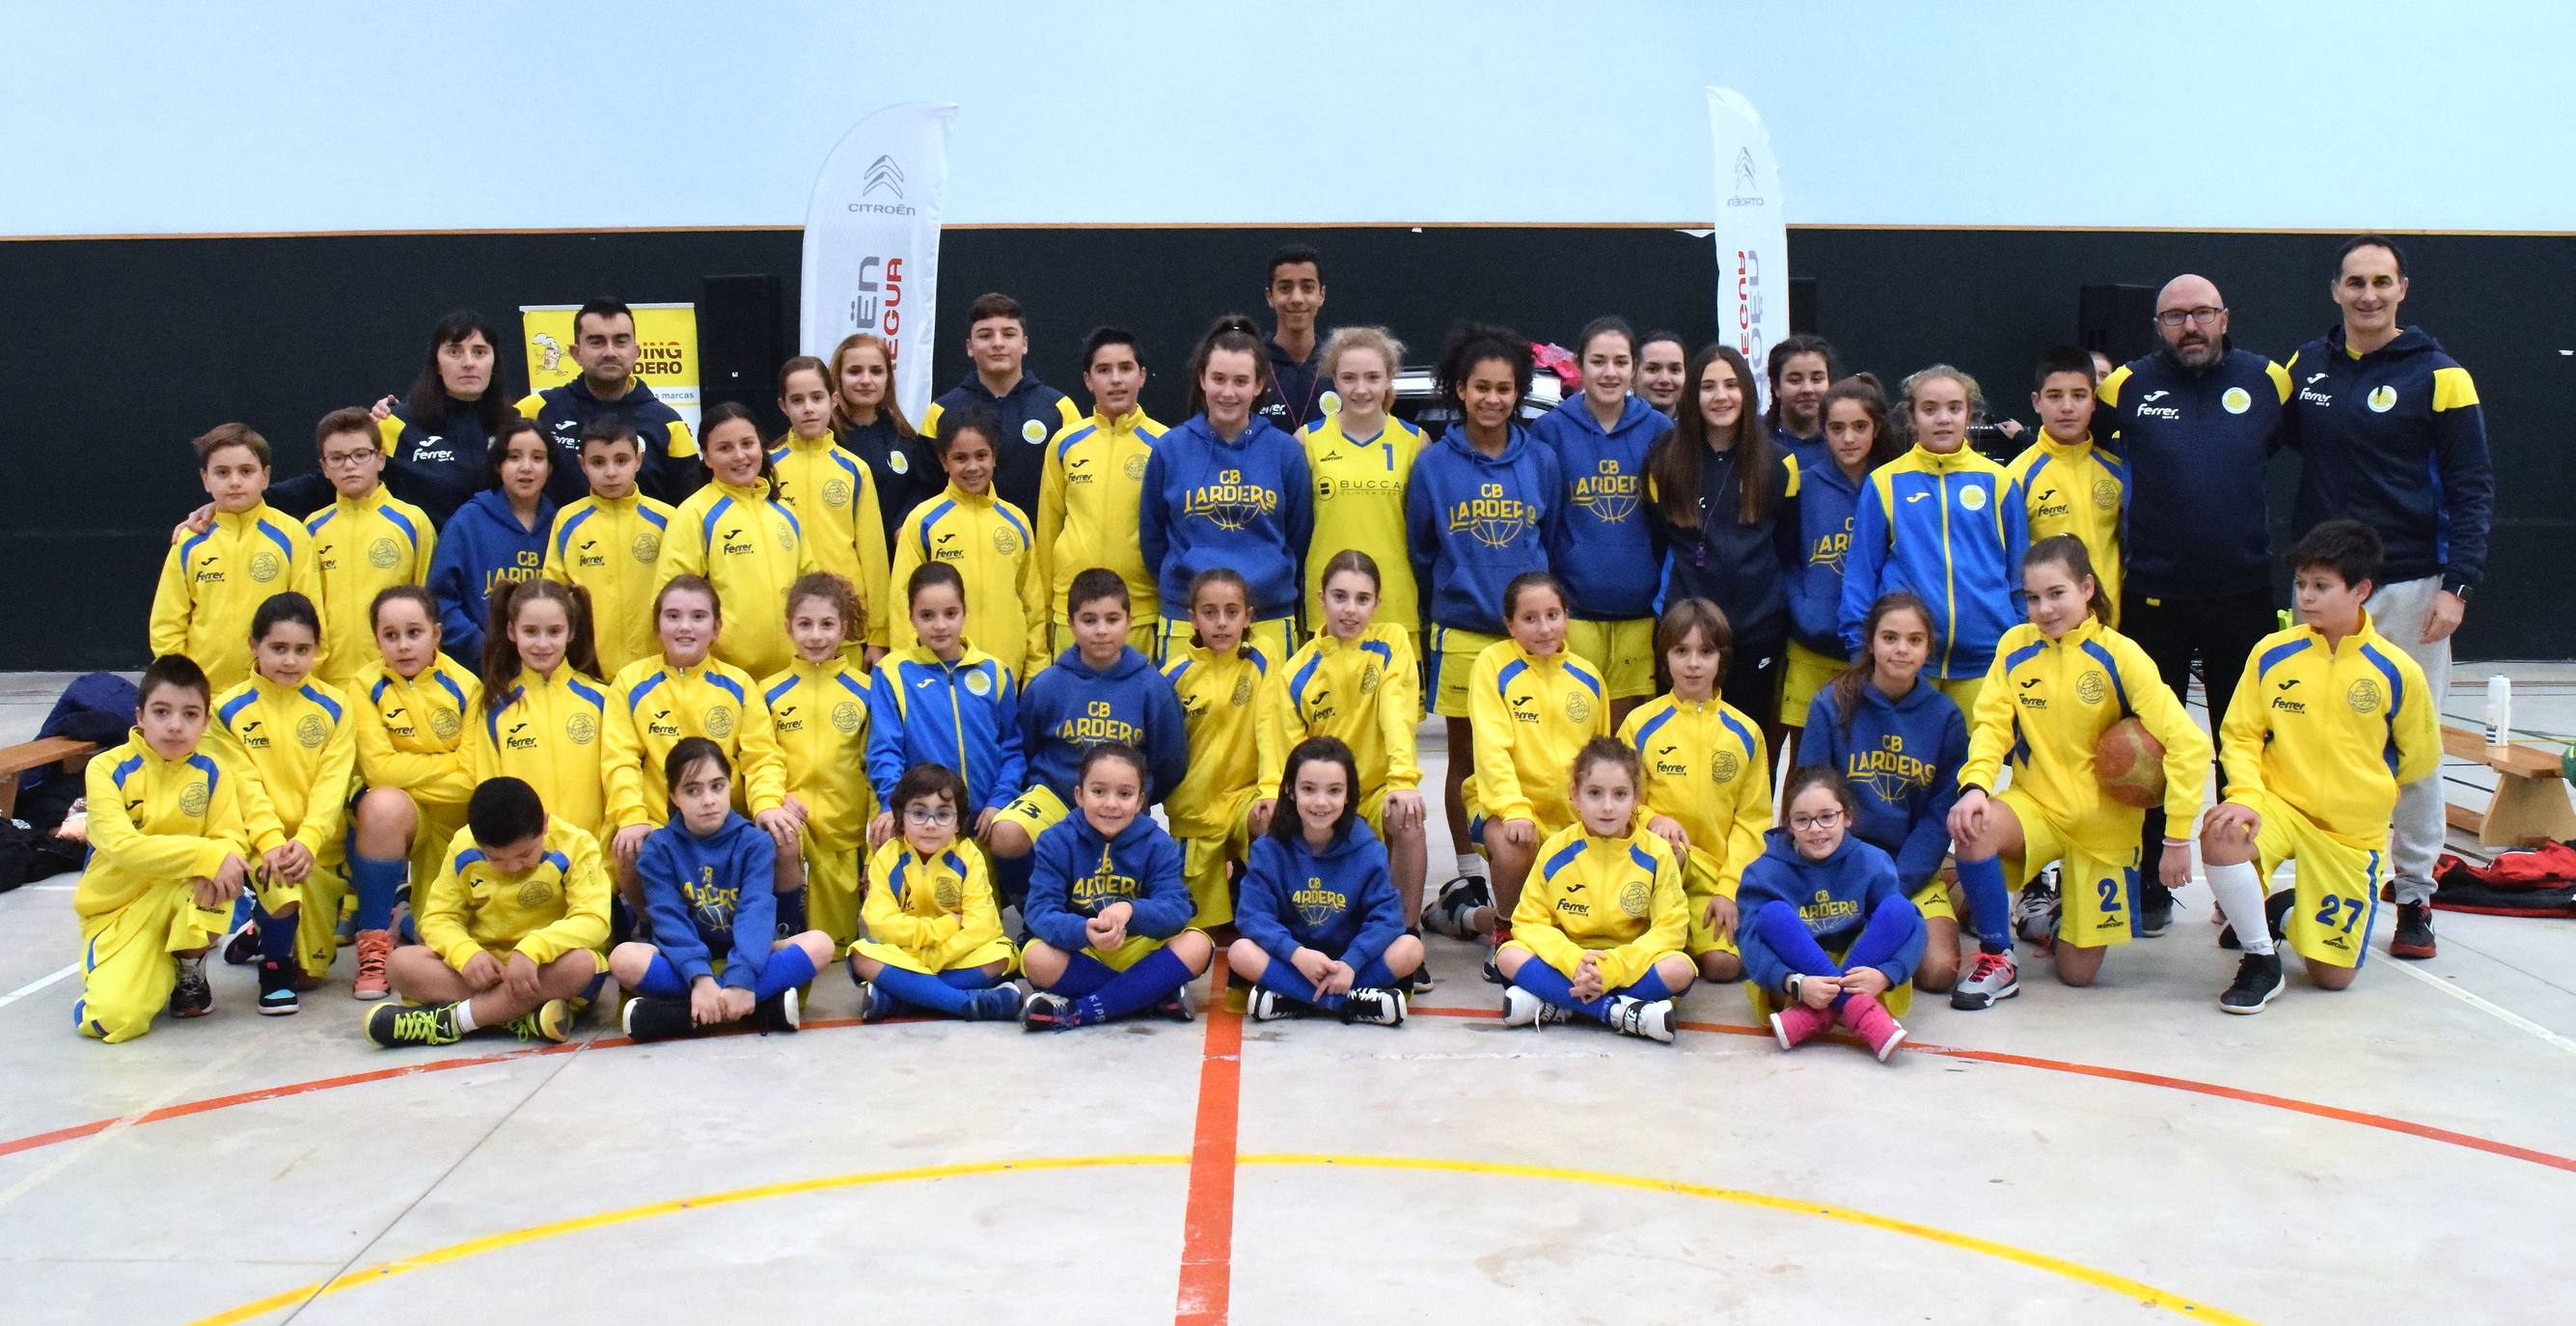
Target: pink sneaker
x: 1866, y: 1018
x: 1797, y: 1024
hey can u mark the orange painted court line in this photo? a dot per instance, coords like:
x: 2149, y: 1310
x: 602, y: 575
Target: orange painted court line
x: 2291, y: 1103
x: 1207, y: 1223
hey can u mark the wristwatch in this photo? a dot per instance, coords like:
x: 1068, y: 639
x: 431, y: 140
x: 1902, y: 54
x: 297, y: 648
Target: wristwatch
x: 2460, y: 592
x: 1791, y: 986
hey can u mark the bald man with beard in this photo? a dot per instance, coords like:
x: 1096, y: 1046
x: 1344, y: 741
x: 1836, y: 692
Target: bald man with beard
x: 2196, y: 421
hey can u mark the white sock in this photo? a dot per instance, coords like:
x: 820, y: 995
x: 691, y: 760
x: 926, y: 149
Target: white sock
x: 1471, y: 864
x: 464, y: 1016
x: 2240, y: 900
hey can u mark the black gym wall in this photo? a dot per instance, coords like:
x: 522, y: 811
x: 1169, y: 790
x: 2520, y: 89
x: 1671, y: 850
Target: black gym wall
x: 120, y: 350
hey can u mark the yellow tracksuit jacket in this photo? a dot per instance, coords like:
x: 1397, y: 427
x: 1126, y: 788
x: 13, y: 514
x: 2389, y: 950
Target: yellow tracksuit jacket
x: 818, y: 714
x: 834, y: 496
x: 300, y: 750
x: 1088, y: 496
x: 612, y: 549
x: 751, y: 549
x: 1530, y: 714
x: 1707, y: 767
x: 1367, y: 692
x: 2333, y: 731
x: 1219, y: 696
x: 988, y: 541
x: 931, y: 913
x: 652, y: 705
x: 545, y: 731
x: 1619, y: 897
x: 212, y: 583
x: 2076, y: 489
x: 559, y: 906
x: 360, y: 546
x: 2047, y: 701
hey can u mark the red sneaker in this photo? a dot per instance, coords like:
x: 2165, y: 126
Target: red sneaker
x: 374, y: 947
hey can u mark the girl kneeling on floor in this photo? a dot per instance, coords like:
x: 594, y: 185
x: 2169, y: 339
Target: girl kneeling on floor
x: 1323, y: 928
x: 1602, y: 922
x: 1818, y: 890
x: 707, y: 879
x: 1107, y: 906
x: 934, y: 933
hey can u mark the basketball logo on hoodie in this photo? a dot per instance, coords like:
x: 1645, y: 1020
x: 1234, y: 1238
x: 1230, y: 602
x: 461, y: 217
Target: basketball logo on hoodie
x: 1033, y: 431
x: 2382, y: 398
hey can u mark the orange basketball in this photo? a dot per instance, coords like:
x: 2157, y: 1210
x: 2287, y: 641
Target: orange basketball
x: 2130, y: 764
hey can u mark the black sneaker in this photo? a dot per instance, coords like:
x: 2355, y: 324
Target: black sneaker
x: 2155, y: 911
x: 1493, y: 974
x: 1176, y: 1009
x: 1448, y: 912
x: 192, y: 997
x: 1045, y: 1010
x: 277, y: 989
x: 999, y: 1004
x: 2414, y: 937
x: 779, y: 1012
x: 1419, y: 982
x: 1380, y: 1008
x: 875, y: 1005
x: 390, y: 1024
x: 2276, y: 915
x: 650, y: 1018
x: 243, y: 948
x: 2258, y: 979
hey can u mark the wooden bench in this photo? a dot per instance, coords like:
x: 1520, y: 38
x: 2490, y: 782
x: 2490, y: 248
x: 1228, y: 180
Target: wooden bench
x: 18, y: 759
x: 2530, y: 803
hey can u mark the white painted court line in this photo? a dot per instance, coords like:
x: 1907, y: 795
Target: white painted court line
x: 2498, y: 1011
x: 37, y: 984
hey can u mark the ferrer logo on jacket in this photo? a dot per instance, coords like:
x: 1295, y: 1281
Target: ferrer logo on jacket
x: 1230, y: 502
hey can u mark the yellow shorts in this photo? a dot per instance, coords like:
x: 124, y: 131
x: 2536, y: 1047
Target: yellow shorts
x: 2337, y: 883
x: 1963, y: 691
x: 127, y: 972
x: 1805, y: 677
x: 1699, y: 884
x: 2097, y: 884
x: 1934, y: 903
x: 1450, y: 660
x: 1624, y: 651
x: 997, y: 949
x: 1205, y: 855
x: 1035, y: 811
x: 832, y: 889
x: 1270, y: 635
x: 1142, y: 634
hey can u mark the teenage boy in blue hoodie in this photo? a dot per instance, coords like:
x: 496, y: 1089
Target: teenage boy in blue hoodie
x: 1605, y: 549
x: 1322, y: 925
x: 1107, y: 907
x: 1100, y: 690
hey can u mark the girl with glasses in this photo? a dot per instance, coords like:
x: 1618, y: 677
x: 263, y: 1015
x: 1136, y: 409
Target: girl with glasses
x: 934, y: 932
x: 1829, y: 936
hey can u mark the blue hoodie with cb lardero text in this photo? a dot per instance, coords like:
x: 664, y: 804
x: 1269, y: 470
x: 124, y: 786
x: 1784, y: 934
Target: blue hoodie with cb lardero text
x: 1604, y: 547
x: 1338, y: 902
x: 1473, y: 521
x: 1069, y: 708
x: 1248, y: 504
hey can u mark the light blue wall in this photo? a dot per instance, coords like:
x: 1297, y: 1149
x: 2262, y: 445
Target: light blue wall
x: 232, y: 116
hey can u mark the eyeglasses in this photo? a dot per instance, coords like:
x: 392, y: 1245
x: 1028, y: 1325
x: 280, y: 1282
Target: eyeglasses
x: 1820, y: 820
x: 2198, y: 317
x: 346, y: 460
x: 930, y: 817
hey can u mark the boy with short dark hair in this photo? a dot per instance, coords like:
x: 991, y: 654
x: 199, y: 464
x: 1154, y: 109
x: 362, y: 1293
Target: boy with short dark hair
x: 608, y: 542
x: 1100, y: 690
x: 365, y: 542
x: 1030, y: 411
x: 2329, y: 719
x: 167, y: 849
x: 510, y: 931
x: 1294, y: 290
x: 2069, y: 485
x: 1094, y: 483
x: 212, y: 582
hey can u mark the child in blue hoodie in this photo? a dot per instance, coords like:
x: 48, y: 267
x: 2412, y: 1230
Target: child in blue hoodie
x: 1899, y: 745
x: 1228, y: 489
x: 1606, y: 548
x: 1107, y: 907
x: 1100, y: 690
x: 1832, y: 471
x: 1827, y: 932
x: 1322, y: 926
x: 708, y: 885
x: 943, y: 702
x: 498, y: 537
x: 1480, y: 509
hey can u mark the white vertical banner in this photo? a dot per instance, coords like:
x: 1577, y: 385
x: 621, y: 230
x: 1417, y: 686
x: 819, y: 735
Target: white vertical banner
x: 1752, y: 234
x: 872, y: 241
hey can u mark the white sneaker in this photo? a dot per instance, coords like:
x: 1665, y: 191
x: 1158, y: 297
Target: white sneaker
x: 1377, y: 1007
x: 1652, y: 1019
x: 1268, y: 1005
x: 1523, y: 1009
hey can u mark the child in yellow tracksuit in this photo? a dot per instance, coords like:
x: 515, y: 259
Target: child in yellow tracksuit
x: 834, y: 496
x: 934, y: 933
x: 1531, y: 706
x: 1093, y: 483
x: 684, y: 691
x: 2313, y: 773
x: 1707, y: 778
x: 411, y: 707
x: 610, y: 544
x: 291, y: 738
x: 1218, y: 678
x: 510, y: 931
x: 366, y: 541
x: 2069, y: 485
x: 988, y: 541
x: 1357, y: 681
x: 212, y: 582
x: 735, y: 533
x: 1600, y: 933
x: 2059, y: 680
x: 542, y: 706
x: 166, y: 860
x: 818, y: 711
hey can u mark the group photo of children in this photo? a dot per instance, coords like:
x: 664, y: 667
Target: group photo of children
x: 1839, y: 687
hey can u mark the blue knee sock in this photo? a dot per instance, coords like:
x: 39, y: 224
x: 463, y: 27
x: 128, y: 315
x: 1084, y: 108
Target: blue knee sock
x: 374, y: 882
x: 1083, y: 974
x: 967, y: 978
x: 1011, y: 879
x: 1989, y: 907
x: 1289, y: 981
x: 791, y: 913
x: 920, y: 991
x: 786, y: 969
x: 1778, y: 925
x: 662, y: 980
x: 276, y: 937
x: 1649, y: 987
x: 1149, y: 982
x: 1553, y: 986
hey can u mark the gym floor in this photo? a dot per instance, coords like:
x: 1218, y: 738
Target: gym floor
x: 2114, y: 1154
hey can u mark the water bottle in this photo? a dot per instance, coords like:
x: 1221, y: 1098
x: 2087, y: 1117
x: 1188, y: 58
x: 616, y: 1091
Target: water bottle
x: 2499, y: 710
